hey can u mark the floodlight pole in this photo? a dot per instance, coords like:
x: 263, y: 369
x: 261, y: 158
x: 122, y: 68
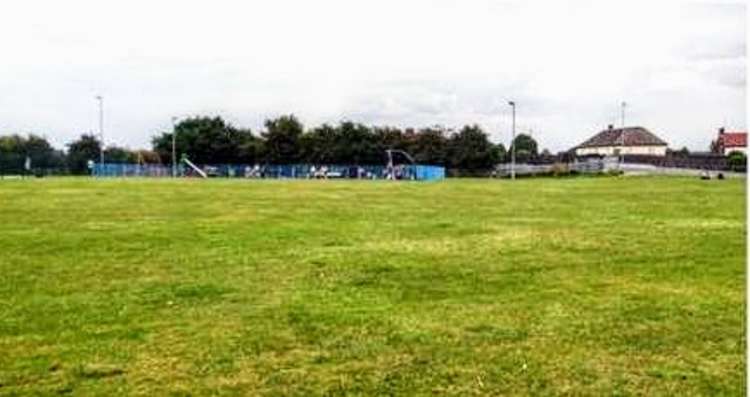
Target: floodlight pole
x: 101, y: 129
x: 174, y: 153
x: 513, y: 143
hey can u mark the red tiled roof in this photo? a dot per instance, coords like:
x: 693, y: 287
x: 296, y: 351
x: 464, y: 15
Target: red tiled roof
x: 734, y: 139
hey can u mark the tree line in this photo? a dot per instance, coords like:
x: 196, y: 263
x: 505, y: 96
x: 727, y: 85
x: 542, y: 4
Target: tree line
x: 283, y: 140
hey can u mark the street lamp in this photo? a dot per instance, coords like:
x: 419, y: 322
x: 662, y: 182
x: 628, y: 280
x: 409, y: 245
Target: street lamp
x: 101, y: 129
x: 513, y: 144
x: 174, y: 153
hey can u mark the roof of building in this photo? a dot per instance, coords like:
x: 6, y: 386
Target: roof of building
x: 634, y: 136
x: 733, y: 139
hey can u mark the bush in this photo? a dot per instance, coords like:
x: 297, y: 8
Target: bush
x: 560, y: 169
x: 737, y: 161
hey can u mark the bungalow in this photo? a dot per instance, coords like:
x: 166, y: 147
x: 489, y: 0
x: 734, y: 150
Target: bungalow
x: 627, y: 141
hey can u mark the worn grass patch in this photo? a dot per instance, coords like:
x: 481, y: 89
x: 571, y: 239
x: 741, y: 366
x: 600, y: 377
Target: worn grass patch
x: 617, y: 286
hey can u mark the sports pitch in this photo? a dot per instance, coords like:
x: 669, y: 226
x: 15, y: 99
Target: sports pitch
x: 583, y: 286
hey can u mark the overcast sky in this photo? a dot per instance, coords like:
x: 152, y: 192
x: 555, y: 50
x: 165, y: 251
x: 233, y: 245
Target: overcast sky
x: 568, y: 65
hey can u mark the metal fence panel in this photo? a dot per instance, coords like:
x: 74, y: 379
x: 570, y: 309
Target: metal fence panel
x: 283, y: 171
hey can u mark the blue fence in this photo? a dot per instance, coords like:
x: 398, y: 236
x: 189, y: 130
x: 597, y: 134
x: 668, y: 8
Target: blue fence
x: 292, y: 171
x: 116, y: 169
x: 429, y: 172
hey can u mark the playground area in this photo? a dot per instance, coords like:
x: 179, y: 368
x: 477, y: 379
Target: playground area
x: 257, y: 171
x: 186, y: 168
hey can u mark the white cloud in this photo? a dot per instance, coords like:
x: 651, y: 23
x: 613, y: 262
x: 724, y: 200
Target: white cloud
x: 567, y: 64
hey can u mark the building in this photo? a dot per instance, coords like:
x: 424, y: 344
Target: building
x: 628, y: 141
x: 730, y: 142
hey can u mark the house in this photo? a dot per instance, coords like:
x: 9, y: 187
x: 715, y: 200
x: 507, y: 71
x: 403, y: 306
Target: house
x: 730, y: 142
x: 627, y: 141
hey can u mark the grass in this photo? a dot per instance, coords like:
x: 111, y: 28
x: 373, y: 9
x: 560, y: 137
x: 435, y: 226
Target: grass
x: 587, y: 286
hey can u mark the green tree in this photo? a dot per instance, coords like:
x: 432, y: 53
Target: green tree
x: 12, y: 154
x: 282, y: 140
x: 389, y: 138
x: 206, y: 140
x: 42, y: 154
x: 430, y: 146
x: 14, y: 149
x: 471, y: 150
x: 502, y: 153
x: 318, y: 145
x: 737, y: 161
x: 116, y: 154
x: 526, y: 148
x: 355, y: 144
x: 251, y: 148
x: 86, y: 147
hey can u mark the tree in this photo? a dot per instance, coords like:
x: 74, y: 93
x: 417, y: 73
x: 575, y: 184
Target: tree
x: 526, y: 148
x: 714, y: 147
x: 42, y: 154
x: 143, y: 156
x: 318, y: 145
x: 471, y: 150
x: 209, y: 140
x: 502, y: 153
x: 430, y: 146
x: 115, y: 154
x: 282, y: 140
x: 14, y: 149
x: 80, y: 151
x: 251, y: 148
x: 737, y: 161
x: 12, y: 154
x: 389, y: 138
x: 355, y: 144
x: 205, y: 140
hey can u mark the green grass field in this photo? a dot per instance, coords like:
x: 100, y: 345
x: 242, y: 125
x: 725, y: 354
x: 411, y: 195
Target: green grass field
x: 589, y: 286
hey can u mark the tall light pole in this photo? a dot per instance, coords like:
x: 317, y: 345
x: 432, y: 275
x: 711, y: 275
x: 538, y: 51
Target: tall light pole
x: 513, y: 143
x: 622, y: 133
x: 101, y: 129
x: 174, y: 153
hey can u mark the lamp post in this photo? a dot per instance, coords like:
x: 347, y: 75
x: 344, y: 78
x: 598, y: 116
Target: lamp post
x: 513, y: 143
x: 101, y: 129
x: 174, y: 153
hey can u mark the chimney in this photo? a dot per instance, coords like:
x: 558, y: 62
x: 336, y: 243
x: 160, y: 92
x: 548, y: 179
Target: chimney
x: 610, y: 127
x: 721, y: 130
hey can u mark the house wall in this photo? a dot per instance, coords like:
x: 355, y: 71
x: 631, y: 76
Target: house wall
x: 616, y: 150
x: 728, y: 150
